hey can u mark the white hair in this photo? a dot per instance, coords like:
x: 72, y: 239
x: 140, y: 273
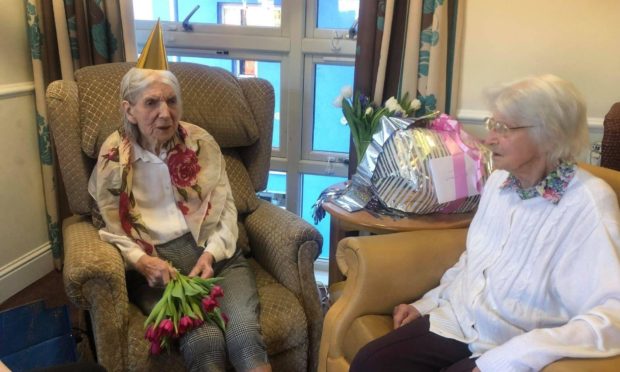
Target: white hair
x: 552, y: 106
x: 135, y: 82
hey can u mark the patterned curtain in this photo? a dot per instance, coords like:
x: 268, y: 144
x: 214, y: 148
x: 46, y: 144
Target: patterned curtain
x: 408, y: 47
x: 64, y: 36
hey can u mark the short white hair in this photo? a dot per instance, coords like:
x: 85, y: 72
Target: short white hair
x: 554, y: 108
x: 135, y: 82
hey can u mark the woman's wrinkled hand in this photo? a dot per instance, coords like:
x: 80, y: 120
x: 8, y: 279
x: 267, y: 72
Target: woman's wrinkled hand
x: 404, y: 314
x: 204, y: 266
x: 156, y: 271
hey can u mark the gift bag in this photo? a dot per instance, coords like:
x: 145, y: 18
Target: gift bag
x: 33, y: 336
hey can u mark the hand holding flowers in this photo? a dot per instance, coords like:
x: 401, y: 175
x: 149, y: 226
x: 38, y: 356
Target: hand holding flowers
x: 186, y: 304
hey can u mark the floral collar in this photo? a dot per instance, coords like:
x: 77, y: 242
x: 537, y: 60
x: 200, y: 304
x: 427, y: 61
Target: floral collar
x: 551, y: 187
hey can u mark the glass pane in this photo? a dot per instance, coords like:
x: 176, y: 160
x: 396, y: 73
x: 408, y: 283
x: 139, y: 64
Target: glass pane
x: 337, y: 13
x: 266, y: 13
x: 267, y: 70
x: 330, y: 130
x: 312, y: 186
x: 276, y: 189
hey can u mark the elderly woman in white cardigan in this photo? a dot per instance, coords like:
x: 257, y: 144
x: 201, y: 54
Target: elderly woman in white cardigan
x: 540, y: 278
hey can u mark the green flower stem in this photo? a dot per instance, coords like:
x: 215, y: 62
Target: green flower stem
x: 158, y: 307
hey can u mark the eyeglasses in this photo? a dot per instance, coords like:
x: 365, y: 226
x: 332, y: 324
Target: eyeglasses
x: 499, y: 127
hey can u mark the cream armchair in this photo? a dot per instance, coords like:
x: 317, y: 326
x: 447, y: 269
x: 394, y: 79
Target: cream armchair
x: 282, y: 247
x: 385, y: 270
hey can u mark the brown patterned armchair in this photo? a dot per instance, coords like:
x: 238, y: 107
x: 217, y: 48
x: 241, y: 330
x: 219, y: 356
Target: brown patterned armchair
x: 385, y: 270
x: 282, y: 247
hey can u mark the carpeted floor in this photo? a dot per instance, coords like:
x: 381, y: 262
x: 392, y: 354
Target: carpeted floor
x: 51, y: 290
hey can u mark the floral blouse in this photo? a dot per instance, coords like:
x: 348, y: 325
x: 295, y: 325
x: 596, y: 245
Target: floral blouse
x: 200, y: 187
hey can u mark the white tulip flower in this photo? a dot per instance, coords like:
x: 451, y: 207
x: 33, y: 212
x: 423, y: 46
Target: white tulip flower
x: 346, y: 91
x: 338, y: 102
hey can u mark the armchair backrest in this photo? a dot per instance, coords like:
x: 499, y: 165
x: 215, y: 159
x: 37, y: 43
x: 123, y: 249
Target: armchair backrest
x: 237, y: 112
x: 610, y: 145
x: 612, y: 177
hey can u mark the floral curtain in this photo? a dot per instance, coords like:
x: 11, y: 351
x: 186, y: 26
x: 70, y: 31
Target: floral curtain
x: 408, y: 47
x: 64, y: 36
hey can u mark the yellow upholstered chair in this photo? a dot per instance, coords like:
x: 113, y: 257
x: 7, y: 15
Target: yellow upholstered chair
x: 282, y: 247
x: 385, y: 270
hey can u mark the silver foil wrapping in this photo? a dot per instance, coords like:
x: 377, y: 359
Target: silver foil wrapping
x: 396, y: 168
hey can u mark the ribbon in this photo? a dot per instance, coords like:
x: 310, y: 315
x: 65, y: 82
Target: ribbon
x: 452, y: 136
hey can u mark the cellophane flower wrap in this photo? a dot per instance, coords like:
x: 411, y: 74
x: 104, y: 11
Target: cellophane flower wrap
x: 186, y: 304
x: 363, y: 116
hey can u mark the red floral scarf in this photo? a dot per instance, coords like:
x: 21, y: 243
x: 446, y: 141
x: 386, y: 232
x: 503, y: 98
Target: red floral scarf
x: 187, y: 159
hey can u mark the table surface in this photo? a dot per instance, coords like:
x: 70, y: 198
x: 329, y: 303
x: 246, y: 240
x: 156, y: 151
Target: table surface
x: 344, y: 222
x: 379, y: 224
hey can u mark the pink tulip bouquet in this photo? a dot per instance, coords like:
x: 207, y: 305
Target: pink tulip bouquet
x: 186, y: 304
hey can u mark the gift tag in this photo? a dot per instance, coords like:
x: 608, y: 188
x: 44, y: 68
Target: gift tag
x: 454, y: 177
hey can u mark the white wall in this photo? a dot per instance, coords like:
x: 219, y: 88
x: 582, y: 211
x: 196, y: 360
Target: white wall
x: 578, y: 40
x: 25, y: 254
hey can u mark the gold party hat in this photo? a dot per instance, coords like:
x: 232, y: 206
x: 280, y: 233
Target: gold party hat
x: 153, y: 54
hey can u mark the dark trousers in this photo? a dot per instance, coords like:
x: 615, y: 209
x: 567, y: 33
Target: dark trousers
x: 413, y: 347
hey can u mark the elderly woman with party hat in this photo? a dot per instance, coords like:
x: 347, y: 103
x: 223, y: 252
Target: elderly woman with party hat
x: 162, y: 190
x: 540, y: 277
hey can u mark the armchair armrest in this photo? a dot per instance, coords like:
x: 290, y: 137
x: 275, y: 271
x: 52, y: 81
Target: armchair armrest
x: 283, y: 244
x: 94, y: 278
x: 579, y: 365
x: 287, y: 246
x: 383, y: 271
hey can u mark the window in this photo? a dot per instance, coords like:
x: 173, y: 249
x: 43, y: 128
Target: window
x: 303, y: 48
x: 230, y: 12
x: 329, y: 127
x: 275, y: 193
x: 312, y: 185
x: 337, y: 14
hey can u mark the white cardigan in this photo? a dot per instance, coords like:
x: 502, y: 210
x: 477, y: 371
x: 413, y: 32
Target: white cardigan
x: 538, y: 281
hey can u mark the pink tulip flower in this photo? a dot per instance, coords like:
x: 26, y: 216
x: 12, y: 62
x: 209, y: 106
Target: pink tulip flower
x: 198, y: 322
x: 209, y: 303
x: 217, y: 291
x: 185, y: 324
x: 166, y: 327
x: 155, y: 348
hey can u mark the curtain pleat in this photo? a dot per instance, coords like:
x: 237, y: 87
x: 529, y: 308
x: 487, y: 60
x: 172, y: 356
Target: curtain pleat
x: 62, y: 40
x: 407, y: 47
x: 386, y: 24
x: 455, y: 49
x: 64, y: 36
x: 36, y: 25
x: 368, y: 42
x: 412, y: 48
x: 396, y: 51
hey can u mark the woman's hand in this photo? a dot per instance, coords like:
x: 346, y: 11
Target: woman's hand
x: 156, y: 271
x: 404, y: 314
x: 476, y: 369
x: 204, y: 266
